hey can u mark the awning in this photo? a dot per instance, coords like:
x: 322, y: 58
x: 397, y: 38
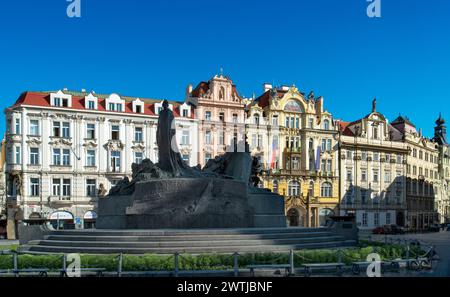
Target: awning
x: 61, y: 215
x: 90, y: 215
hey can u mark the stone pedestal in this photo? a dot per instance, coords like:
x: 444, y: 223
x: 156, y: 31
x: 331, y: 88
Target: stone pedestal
x: 192, y: 203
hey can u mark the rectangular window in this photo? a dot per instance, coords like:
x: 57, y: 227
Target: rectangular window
x: 66, y: 130
x: 376, y: 219
x: 91, y: 104
x: 185, y: 158
x: 17, y: 126
x: 260, y: 141
x: 91, y: 188
x: 329, y: 166
x: 311, y: 123
x: 364, y: 219
x: 388, y: 158
x: 66, y: 157
x: 329, y: 146
x: 34, y: 187
x: 349, y: 155
x: 56, y: 187
x: 115, y: 161
x: 34, y: 156
x: 138, y: 157
x: 185, y: 113
x: 185, y: 137
x: 235, y: 118
x: 208, y: 116
x: 56, y: 129
x: 57, y: 102
x: 349, y: 175
x: 65, y: 102
x: 324, y: 145
x: 112, y: 106
x: 119, y: 107
x: 66, y: 187
x: 18, y: 155
x: 292, y: 122
x: 297, y: 123
x: 364, y: 156
x: 90, y: 158
x: 115, y: 132
x: 56, y: 157
x: 221, y: 138
x: 287, y: 122
x: 139, y: 109
x: 275, y: 120
x: 376, y: 157
x: 138, y: 134
x: 387, y: 176
x: 90, y: 131
x: 375, y: 176
x: 208, y: 138
x: 399, y: 159
x: 34, y: 128
x: 363, y: 175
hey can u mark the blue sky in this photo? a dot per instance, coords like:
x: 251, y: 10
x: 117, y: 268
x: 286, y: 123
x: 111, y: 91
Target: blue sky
x: 155, y: 48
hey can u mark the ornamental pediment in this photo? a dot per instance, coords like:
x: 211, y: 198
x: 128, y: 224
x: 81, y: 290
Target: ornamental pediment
x: 114, y: 145
x: 60, y: 142
x: 34, y: 140
x: 90, y: 144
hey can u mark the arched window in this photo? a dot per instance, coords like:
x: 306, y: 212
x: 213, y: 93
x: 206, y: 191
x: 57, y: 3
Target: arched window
x: 275, y: 186
x: 375, y: 132
x: 256, y: 119
x: 294, y: 188
x: 326, y: 125
x: 311, y: 144
x: 326, y: 190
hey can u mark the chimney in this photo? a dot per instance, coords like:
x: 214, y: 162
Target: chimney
x: 65, y: 89
x: 284, y: 88
x: 267, y: 87
x: 83, y: 90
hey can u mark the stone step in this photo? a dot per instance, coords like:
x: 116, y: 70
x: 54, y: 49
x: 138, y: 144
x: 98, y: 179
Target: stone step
x: 192, y: 237
x: 168, y: 232
x: 187, y: 244
x: 190, y: 250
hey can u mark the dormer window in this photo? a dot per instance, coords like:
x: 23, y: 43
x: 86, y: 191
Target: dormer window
x: 91, y: 101
x: 115, y: 103
x: 185, y: 110
x: 138, y: 106
x: 60, y: 100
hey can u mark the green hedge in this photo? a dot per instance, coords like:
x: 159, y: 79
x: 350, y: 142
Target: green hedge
x: 152, y: 262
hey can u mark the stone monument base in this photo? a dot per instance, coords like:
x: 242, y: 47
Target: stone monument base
x: 179, y: 203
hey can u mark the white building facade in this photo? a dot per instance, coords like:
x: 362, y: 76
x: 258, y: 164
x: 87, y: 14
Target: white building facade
x: 65, y: 149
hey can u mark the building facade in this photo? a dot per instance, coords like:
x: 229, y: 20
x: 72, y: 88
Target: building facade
x: 422, y: 176
x: 64, y: 149
x: 220, y: 112
x: 372, y: 171
x: 442, y: 203
x: 295, y: 139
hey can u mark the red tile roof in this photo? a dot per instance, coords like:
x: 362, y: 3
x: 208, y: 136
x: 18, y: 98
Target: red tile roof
x: 78, y: 102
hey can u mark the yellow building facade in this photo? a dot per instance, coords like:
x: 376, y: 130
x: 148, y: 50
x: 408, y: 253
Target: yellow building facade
x: 296, y: 141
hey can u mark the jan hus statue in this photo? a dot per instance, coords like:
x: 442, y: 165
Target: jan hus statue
x: 169, y: 157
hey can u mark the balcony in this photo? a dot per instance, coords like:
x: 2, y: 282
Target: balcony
x: 60, y: 201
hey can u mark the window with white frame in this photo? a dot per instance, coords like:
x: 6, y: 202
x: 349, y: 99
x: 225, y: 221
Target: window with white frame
x: 364, y: 219
x: 138, y: 106
x: 185, y: 137
x: 115, y: 161
x: 138, y: 157
x: 17, y: 128
x: 90, y: 101
x: 66, y: 157
x: 207, y: 116
x: 326, y: 190
x: 115, y: 103
x: 91, y: 188
x: 18, y: 155
x: 90, y: 158
x: 60, y: 99
x: 208, y: 137
x: 115, y: 132
x: 34, y: 128
x: 34, y: 187
x: 34, y: 156
x: 376, y: 219
x: 293, y: 188
x: 138, y: 134
x: 90, y: 131
x: 375, y: 175
x: 326, y: 125
x: 66, y: 187
x: 56, y: 187
x: 388, y: 218
x: 363, y: 175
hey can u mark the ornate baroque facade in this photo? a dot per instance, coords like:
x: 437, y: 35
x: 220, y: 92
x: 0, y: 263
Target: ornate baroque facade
x: 295, y: 139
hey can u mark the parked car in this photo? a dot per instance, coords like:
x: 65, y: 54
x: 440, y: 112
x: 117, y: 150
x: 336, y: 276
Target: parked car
x: 434, y: 228
x: 378, y: 230
x: 395, y: 229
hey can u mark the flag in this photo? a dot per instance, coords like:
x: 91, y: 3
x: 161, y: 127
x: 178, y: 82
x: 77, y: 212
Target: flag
x: 319, y: 151
x: 274, y: 152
